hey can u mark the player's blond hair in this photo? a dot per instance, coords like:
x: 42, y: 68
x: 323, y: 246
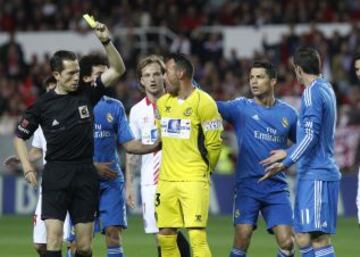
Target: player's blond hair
x: 149, y: 60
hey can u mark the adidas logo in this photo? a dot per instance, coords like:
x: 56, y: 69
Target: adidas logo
x: 255, y: 117
x: 54, y: 123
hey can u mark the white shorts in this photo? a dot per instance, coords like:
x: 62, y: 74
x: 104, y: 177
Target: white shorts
x: 39, y: 231
x: 148, y: 204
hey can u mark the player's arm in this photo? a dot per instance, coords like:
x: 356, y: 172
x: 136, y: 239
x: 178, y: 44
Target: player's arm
x: 211, y: 124
x: 24, y: 130
x: 132, y: 165
x: 226, y: 109
x: 136, y: 147
x: 312, y: 119
x: 116, y: 63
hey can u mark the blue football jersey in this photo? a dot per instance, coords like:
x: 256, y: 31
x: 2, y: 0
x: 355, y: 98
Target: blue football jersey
x: 259, y: 130
x: 314, y: 151
x: 111, y: 129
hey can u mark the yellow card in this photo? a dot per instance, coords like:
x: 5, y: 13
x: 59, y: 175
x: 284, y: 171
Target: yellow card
x: 90, y: 20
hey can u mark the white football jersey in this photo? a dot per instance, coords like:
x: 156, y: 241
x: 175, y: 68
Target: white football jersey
x: 142, y: 124
x: 39, y: 141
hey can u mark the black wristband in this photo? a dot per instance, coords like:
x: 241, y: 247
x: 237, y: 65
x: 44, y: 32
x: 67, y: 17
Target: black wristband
x: 106, y: 42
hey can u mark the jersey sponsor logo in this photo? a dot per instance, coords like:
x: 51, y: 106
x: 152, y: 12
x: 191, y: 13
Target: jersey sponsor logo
x: 109, y: 117
x: 188, y: 111
x: 149, y: 136
x: 55, y: 123
x: 84, y: 112
x: 176, y: 128
x: 285, y: 122
x: 212, y: 125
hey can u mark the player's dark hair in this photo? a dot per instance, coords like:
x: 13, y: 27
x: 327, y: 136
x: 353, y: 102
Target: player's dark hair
x: 182, y: 63
x: 308, y: 59
x: 87, y: 62
x: 269, y: 68
x: 56, y: 60
x: 48, y: 81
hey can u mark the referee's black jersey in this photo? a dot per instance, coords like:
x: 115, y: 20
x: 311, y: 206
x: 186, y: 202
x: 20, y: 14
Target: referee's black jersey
x: 67, y: 122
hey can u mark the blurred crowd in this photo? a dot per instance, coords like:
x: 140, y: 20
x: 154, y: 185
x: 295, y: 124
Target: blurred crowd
x: 175, y: 14
x: 224, y: 78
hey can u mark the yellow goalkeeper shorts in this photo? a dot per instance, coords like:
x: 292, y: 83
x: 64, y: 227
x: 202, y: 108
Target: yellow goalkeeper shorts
x: 182, y: 204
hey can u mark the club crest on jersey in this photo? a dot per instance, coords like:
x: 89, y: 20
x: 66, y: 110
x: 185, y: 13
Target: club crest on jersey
x: 109, y: 117
x: 285, y: 122
x: 84, y: 112
x: 188, y: 111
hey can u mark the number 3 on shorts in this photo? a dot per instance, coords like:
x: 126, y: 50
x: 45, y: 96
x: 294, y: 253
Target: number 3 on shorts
x: 157, y: 199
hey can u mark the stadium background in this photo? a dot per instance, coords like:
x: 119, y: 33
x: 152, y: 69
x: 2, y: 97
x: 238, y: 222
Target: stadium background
x: 222, y: 38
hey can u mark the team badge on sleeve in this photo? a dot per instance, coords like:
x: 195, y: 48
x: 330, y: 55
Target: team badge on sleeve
x: 84, y: 112
x: 212, y: 125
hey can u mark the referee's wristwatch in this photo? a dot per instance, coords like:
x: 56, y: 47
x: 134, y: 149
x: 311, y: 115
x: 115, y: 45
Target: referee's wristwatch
x: 106, y: 42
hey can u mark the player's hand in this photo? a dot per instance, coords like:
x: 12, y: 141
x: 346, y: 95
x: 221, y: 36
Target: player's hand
x: 31, y: 177
x: 272, y: 170
x: 129, y: 194
x: 11, y: 161
x: 104, y: 170
x: 102, y: 32
x: 275, y: 156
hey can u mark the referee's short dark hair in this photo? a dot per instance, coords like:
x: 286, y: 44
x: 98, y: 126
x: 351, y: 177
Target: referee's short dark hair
x: 87, y: 62
x: 308, y: 59
x: 182, y: 62
x: 269, y: 68
x: 56, y: 60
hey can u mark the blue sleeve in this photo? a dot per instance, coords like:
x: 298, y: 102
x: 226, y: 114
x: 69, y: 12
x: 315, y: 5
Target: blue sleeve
x: 124, y: 133
x: 311, y: 122
x: 226, y: 109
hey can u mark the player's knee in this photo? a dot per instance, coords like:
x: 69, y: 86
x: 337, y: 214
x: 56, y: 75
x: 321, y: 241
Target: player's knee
x: 113, y: 236
x: 83, y: 245
x: 40, y: 248
x: 286, y: 243
x: 303, y: 239
x: 320, y: 239
x: 242, y: 239
x: 198, y: 242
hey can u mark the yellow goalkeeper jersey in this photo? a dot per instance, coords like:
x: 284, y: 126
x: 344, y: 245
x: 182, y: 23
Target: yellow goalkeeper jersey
x: 190, y: 132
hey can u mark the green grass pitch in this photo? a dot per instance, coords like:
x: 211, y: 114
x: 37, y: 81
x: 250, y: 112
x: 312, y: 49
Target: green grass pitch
x: 16, y: 239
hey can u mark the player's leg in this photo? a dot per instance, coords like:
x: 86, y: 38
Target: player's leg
x: 169, y: 217
x: 315, y: 214
x: 39, y: 230
x: 84, y: 203
x: 277, y: 212
x: 148, y: 198
x: 246, y: 211
x: 194, y: 199
x: 112, y: 215
x: 326, y: 213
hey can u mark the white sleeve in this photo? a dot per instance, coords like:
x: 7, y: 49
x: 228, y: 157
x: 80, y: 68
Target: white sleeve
x: 36, y: 142
x: 133, y: 123
x: 358, y: 197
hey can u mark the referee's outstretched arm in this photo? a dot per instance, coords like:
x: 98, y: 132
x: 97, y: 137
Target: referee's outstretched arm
x: 116, y: 63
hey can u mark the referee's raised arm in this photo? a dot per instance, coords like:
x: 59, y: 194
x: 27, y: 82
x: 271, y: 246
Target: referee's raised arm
x: 116, y: 63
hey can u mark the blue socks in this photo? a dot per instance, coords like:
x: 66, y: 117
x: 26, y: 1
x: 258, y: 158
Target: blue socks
x: 326, y: 251
x: 307, y: 251
x: 116, y: 251
x: 237, y: 253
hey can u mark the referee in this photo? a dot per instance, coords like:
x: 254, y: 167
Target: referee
x: 70, y: 181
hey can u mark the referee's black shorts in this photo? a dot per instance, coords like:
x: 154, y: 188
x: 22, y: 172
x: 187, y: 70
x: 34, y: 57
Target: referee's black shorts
x: 72, y: 187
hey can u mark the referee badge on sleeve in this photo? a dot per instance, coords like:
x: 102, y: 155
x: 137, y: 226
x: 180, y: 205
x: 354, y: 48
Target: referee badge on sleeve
x: 84, y: 112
